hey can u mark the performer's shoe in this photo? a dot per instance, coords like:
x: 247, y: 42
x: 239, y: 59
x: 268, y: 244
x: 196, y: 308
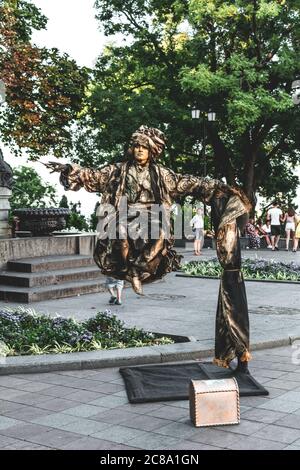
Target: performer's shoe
x: 112, y: 300
x: 137, y: 285
x: 117, y: 302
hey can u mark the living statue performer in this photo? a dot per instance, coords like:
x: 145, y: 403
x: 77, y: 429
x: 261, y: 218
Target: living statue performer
x: 145, y: 182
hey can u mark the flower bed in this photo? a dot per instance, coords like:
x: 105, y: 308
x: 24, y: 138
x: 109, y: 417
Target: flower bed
x: 258, y: 269
x: 25, y: 332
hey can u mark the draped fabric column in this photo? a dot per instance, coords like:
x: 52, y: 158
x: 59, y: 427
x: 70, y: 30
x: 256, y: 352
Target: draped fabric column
x: 232, y: 319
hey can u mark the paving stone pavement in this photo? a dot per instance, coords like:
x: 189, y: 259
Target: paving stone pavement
x: 88, y: 409
x: 62, y: 411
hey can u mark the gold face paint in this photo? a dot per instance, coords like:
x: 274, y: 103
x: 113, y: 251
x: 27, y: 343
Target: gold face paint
x: 141, y: 154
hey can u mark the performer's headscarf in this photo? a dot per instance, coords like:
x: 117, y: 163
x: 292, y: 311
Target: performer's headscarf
x: 149, y: 137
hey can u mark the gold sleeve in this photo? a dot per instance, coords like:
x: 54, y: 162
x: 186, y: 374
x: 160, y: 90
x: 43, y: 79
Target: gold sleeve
x: 206, y: 189
x: 189, y: 185
x: 74, y: 177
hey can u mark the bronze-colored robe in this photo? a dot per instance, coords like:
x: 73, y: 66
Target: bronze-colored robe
x: 151, y: 259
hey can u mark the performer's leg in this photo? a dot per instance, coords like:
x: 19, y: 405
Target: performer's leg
x: 156, y: 247
x: 137, y: 285
x: 150, y: 252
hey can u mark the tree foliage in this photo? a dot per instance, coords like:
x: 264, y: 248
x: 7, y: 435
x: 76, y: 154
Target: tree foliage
x: 94, y: 218
x: 44, y: 89
x: 75, y: 219
x: 238, y: 57
x: 29, y: 190
x: 251, y: 58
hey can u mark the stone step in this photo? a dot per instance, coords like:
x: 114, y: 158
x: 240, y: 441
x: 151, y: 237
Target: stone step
x: 38, y: 294
x: 49, y: 263
x: 46, y: 278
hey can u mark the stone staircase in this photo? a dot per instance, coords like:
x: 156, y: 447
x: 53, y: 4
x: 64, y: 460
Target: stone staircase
x: 50, y: 277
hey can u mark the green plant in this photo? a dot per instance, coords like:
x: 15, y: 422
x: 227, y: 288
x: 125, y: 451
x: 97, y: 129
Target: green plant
x: 252, y: 269
x: 23, y: 331
x: 30, y: 190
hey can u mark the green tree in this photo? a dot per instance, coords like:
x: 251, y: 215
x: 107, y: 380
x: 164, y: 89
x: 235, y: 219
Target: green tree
x: 94, y: 218
x: 64, y: 202
x: 30, y: 190
x: 75, y: 219
x: 250, y: 58
x: 44, y: 88
x: 238, y: 57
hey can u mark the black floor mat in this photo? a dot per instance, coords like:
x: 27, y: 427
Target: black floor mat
x: 163, y: 382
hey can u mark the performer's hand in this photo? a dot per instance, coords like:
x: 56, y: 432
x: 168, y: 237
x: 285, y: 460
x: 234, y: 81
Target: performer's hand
x: 54, y: 166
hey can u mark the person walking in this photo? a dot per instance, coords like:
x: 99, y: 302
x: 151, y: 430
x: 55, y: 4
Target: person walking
x: 116, y: 296
x: 197, y: 223
x: 275, y: 217
x: 289, y: 219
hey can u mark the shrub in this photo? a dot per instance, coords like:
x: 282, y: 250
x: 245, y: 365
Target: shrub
x: 23, y: 331
x: 259, y: 269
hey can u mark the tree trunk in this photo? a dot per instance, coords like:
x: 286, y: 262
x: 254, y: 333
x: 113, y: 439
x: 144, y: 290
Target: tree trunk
x: 223, y: 165
x: 249, y: 179
x: 172, y: 157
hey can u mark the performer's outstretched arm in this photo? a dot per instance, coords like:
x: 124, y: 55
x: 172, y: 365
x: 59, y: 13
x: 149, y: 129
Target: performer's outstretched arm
x: 73, y: 177
x: 207, y: 190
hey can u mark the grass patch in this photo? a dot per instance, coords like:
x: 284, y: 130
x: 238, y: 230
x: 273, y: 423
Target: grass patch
x: 258, y: 269
x: 25, y: 332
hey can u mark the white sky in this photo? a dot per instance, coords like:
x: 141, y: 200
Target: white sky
x: 71, y: 28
